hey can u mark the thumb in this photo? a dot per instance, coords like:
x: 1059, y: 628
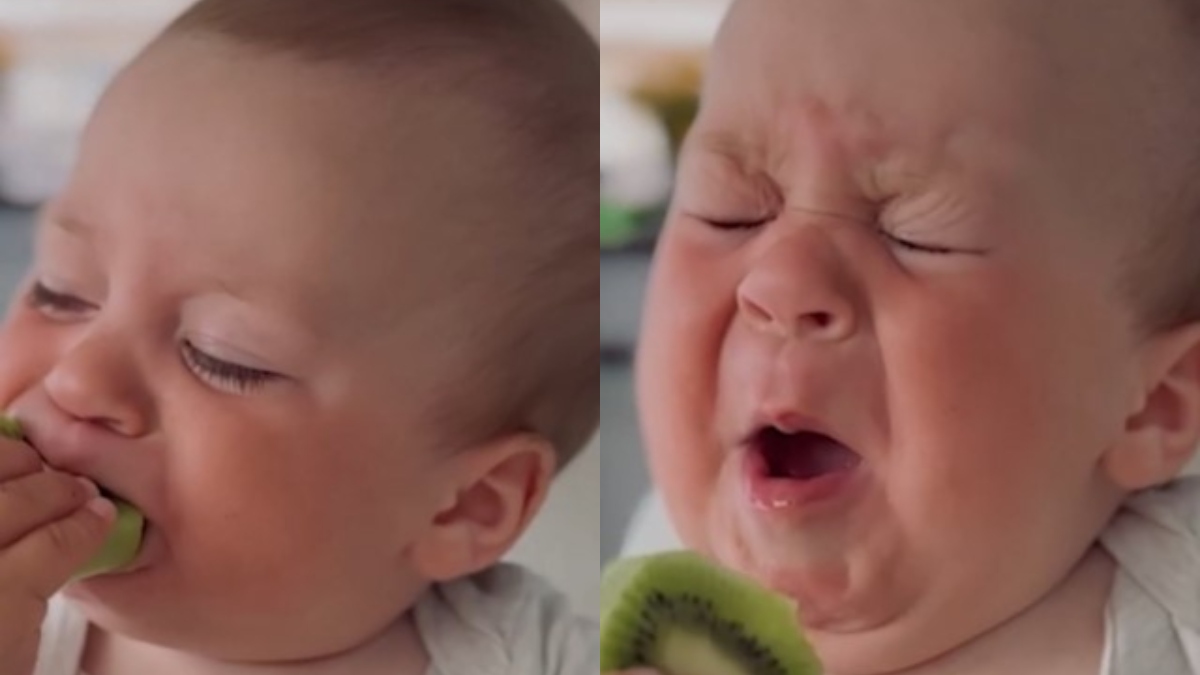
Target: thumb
x: 47, y: 557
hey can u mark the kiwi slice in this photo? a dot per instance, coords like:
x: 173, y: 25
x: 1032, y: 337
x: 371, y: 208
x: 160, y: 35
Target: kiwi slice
x: 122, y: 544
x: 681, y: 615
x: 123, y: 540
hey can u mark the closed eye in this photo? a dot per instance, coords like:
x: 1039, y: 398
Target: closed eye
x: 224, y: 375
x: 217, y: 372
x: 730, y: 225
x: 915, y: 247
x: 744, y: 225
x: 55, y: 304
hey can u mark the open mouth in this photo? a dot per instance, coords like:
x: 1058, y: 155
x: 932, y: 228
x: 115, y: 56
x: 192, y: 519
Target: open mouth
x: 803, y: 456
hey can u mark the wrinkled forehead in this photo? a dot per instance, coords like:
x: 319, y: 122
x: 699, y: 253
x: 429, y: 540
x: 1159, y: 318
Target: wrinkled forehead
x: 921, y: 70
x: 1044, y: 100
x: 879, y: 70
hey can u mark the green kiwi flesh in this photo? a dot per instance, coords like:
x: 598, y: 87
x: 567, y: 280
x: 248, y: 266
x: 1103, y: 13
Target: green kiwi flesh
x: 679, y: 614
x: 10, y: 428
x: 123, y: 540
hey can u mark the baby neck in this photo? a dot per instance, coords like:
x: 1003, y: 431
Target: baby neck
x: 396, y: 651
x: 1063, y: 634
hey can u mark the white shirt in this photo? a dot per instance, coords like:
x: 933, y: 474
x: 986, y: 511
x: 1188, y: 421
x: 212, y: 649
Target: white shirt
x: 506, y: 621
x: 1154, y: 609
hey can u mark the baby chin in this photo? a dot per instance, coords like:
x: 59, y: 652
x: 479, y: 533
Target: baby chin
x: 814, y: 532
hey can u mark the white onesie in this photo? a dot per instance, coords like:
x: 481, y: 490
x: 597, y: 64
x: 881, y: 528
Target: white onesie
x: 506, y: 621
x: 1154, y: 610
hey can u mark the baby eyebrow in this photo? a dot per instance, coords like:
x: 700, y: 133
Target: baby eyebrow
x: 853, y: 219
x: 719, y: 142
x: 72, y: 226
x: 727, y: 146
x: 52, y: 215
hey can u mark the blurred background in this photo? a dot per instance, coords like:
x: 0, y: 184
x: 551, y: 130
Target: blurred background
x: 56, y: 58
x: 652, y: 59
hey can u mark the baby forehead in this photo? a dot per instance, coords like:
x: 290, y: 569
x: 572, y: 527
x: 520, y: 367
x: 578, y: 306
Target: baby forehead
x: 791, y: 88
x: 919, y: 42
x: 929, y: 75
x: 807, y: 141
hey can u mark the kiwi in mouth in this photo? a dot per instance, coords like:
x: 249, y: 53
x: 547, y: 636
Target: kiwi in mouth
x: 122, y: 544
x: 125, y: 538
x: 681, y: 615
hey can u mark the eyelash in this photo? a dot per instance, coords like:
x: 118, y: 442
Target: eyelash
x: 42, y: 298
x: 742, y: 226
x: 915, y: 247
x: 735, y: 225
x: 225, y: 375
x: 221, y: 374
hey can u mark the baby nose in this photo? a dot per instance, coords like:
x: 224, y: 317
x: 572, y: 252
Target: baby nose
x: 95, y: 381
x: 795, y: 292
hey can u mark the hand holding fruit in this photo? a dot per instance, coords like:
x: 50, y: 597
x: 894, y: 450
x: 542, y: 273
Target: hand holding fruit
x: 124, y: 539
x: 51, y: 523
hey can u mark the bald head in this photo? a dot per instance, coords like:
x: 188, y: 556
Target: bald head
x: 527, y: 60
x: 525, y: 70
x: 1163, y: 279
x: 387, y: 31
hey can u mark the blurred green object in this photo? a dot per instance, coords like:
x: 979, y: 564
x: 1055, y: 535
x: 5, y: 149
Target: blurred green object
x: 672, y: 91
x: 617, y: 226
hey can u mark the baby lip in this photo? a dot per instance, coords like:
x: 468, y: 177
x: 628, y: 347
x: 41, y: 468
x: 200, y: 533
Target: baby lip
x: 788, y: 424
x: 53, y: 447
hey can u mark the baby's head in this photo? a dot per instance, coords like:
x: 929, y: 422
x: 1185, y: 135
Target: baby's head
x: 925, y: 310
x: 321, y: 299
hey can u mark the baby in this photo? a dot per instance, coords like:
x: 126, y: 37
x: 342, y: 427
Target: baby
x: 922, y: 346
x: 321, y: 300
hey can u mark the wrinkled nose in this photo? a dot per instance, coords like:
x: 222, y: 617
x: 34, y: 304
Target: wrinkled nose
x: 798, y: 289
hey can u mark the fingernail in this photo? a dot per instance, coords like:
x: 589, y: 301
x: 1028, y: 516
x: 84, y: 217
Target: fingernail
x: 103, y: 508
x: 89, y: 486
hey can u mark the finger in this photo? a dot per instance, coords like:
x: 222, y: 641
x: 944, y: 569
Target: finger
x: 20, y: 657
x: 22, y: 616
x: 47, y: 558
x: 18, y: 459
x: 38, y: 500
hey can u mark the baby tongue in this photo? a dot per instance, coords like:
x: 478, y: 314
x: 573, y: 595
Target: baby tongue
x: 806, y: 456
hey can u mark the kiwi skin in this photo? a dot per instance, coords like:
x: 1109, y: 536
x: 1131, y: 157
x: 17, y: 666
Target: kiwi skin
x: 682, y: 615
x: 123, y: 540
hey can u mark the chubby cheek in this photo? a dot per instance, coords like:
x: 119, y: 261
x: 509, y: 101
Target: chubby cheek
x: 688, y: 308
x: 265, y: 513
x: 29, y: 349
x: 998, y: 414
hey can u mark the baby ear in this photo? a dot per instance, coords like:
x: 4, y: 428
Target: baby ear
x: 1162, y: 434
x: 500, y: 488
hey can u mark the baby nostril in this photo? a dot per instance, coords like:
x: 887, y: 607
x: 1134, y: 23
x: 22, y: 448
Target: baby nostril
x: 829, y: 326
x: 787, y: 318
x: 821, y: 320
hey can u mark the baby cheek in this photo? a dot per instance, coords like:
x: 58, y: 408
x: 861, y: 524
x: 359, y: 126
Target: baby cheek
x: 269, y: 546
x: 28, y: 351
x: 684, y: 457
x: 680, y: 353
